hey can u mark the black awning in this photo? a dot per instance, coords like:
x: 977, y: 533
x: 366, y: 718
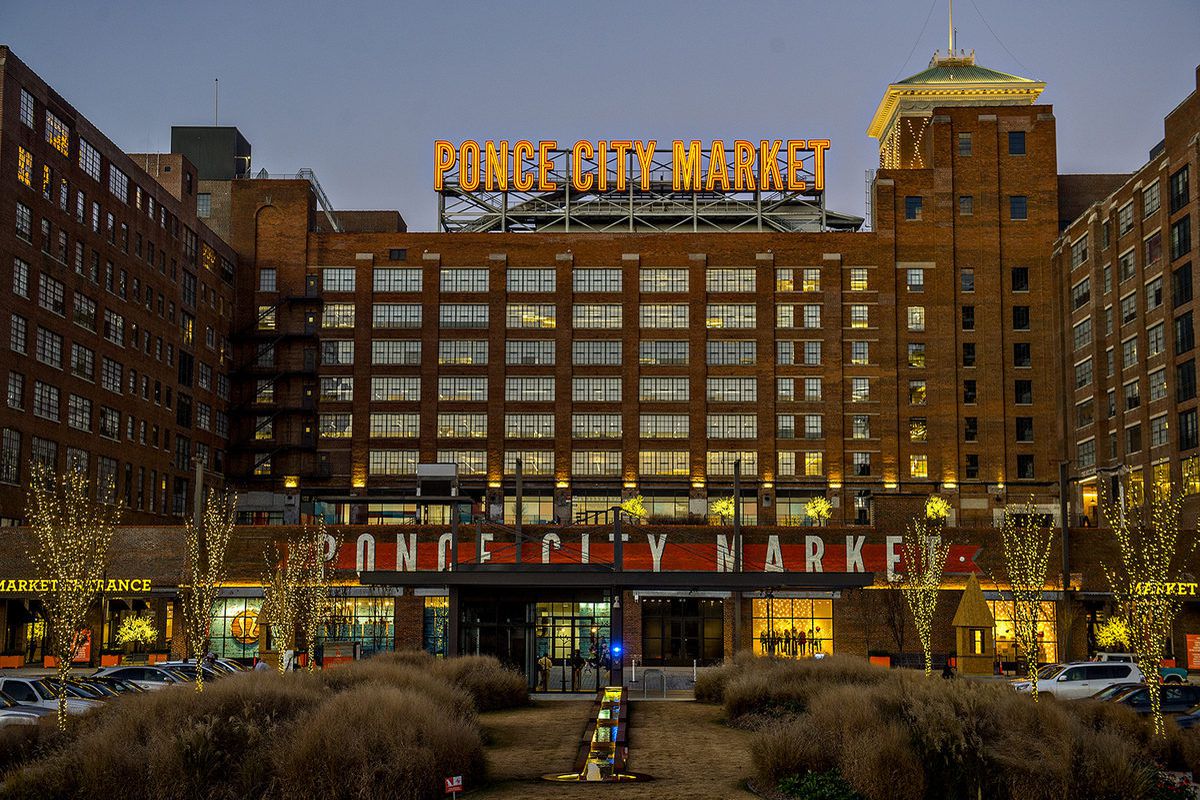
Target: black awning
x: 536, y: 576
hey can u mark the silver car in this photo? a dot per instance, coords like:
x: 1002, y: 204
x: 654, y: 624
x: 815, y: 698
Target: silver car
x: 39, y: 692
x: 147, y: 677
x: 14, y: 713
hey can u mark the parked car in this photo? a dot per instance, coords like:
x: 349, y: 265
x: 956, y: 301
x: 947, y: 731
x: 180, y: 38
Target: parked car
x: 1169, y: 674
x: 40, y: 692
x: 1124, y: 658
x: 1176, y: 699
x: 1189, y: 720
x: 14, y: 713
x: 1110, y: 692
x: 233, y: 666
x: 147, y: 677
x: 1083, y: 679
x: 187, y: 669
x: 119, y: 685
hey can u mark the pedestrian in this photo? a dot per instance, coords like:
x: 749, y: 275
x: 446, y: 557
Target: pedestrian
x: 577, y: 663
x: 544, y: 664
x: 261, y: 666
x: 947, y: 671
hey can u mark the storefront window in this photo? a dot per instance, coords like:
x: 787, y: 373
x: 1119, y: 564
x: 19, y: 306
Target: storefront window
x: 792, y: 627
x: 593, y: 509
x: 437, y: 620
x: 367, y: 621
x: 535, y: 509
x: 561, y: 630
x: 678, y: 631
x: 1006, y: 643
x: 234, y: 631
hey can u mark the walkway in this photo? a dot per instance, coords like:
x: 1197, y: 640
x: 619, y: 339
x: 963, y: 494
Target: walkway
x: 683, y: 745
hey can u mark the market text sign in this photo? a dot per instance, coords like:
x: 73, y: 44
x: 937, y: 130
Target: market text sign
x: 1169, y: 589
x: 612, y: 164
x: 44, y: 585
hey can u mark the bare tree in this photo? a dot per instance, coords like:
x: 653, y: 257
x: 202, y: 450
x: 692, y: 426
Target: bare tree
x: 297, y: 588
x: 1026, y: 546
x: 207, y: 547
x: 895, y: 614
x: 1146, y: 582
x: 924, y: 563
x: 71, y: 538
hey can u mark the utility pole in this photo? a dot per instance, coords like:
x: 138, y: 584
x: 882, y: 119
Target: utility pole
x: 737, y: 552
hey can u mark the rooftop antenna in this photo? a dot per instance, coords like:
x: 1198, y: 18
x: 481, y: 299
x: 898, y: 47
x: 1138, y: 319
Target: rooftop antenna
x: 216, y: 99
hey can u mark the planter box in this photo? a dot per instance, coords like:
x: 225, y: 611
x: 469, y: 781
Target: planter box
x: 883, y: 661
x: 11, y: 662
x: 110, y: 660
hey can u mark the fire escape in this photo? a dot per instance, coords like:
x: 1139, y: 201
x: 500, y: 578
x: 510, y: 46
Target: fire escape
x: 279, y: 403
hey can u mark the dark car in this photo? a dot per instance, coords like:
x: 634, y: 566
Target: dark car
x: 1112, y: 692
x: 1177, y: 698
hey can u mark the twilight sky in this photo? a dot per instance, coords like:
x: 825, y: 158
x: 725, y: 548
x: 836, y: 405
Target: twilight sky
x: 359, y: 89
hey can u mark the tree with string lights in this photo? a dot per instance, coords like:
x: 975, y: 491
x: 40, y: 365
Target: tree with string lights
x: 297, y: 589
x: 72, y: 534
x: 923, y: 561
x: 1145, y: 582
x: 207, y: 546
x: 1026, y: 545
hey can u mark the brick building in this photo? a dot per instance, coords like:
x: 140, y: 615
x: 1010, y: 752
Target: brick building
x: 1129, y: 333
x: 117, y: 306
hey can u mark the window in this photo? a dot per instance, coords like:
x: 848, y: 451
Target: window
x: 528, y: 426
x: 1126, y: 266
x: 663, y: 315
x: 532, y: 390
x: 596, y: 280
x: 860, y: 426
x: 453, y: 426
x: 860, y: 353
x: 965, y: 145
x: 402, y: 352
x: 968, y: 318
x: 450, y: 315
x: 46, y: 401
x: 860, y: 390
x: 1023, y: 392
x: 391, y: 389
x: 1181, y: 285
x: 266, y: 280
x: 596, y: 390
x: 663, y: 353
x: 1181, y: 237
x: 1125, y: 219
x: 26, y: 109
x: 1156, y: 339
x: 393, y: 425
x: 663, y: 462
x: 337, y: 389
x: 721, y: 462
x: 719, y: 315
x: 916, y: 392
x: 1022, y: 354
x: 970, y: 392
x: 20, y: 278
x: 24, y: 222
x: 1016, y: 143
x: 916, y: 318
x: 1079, y: 251
x: 1024, y: 429
x: 1189, y: 439
x: 24, y: 166
x: 1151, y: 200
x: 1180, y: 192
x: 968, y: 354
x: 337, y: 353
x: 596, y: 426
x: 730, y: 352
x: 18, y: 334
x: 729, y: 280
x: 1185, y: 381
x: 810, y: 279
x: 1024, y: 466
x: 1081, y: 333
x: 16, y: 391
x: 1158, y: 384
x: 916, y: 355
x: 118, y: 183
x: 1085, y: 413
x: 525, y: 315
x: 966, y: 205
x: 463, y: 352
x: 529, y: 352
x: 596, y: 315
x: 970, y: 429
x: 1128, y: 308
x: 663, y: 426
x: 912, y: 208
x: 456, y: 388
x: 1083, y: 373
x: 858, y: 279
x: 83, y: 362
x: 464, y: 280
x: 1133, y: 439
x: 1020, y: 318
x: 812, y: 390
x: 338, y: 315
x: 470, y: 462
x: 58, y: 134
x: 918, y: 429
x: 662, y: 390
x: 1018, y: 207
x: 596, y: 352
x: 732, y: 390
x: 918, y: 465
x: 50, y: 295
x: 596, y: 463
x: 391, y: 462
x: 391, y: 279
x: 1185, y: 334
x: 338, y: 279
x: 531, y: 280
x: 49, y: 348
x: 812, y: 353
x: 858, y: 316
x: 1152, y: 248
x: 742, y: 426
x: 1020, y: 279
x: 967, y: 277
x: 663, y: 280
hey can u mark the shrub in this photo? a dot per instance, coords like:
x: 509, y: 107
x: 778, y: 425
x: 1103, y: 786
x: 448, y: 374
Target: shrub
x: 779, y: 686
x: 399, y: 674
x: 378, y: 742
x: 818, y: 786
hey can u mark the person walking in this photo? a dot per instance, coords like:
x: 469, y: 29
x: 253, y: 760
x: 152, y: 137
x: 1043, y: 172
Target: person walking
x: 577, y: 663
x: 544, y: 664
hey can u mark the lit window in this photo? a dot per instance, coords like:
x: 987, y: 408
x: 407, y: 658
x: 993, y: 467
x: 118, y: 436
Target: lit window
x: 663, y: 280
x: 596, y: 280
x: 918, y: 465
x: 58, y: 134
x: 858, y: 279
x: 729, y: 280
x: 463, y: 352
x: 596, y: 426
x: 531, y: 280
x: 24, y: 166
x: 464, y: 280
x: 524, y: 315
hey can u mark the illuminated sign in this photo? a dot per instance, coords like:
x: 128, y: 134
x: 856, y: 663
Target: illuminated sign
x: 795, y: 165
x: 43, y: 585
x: 1172, y: 589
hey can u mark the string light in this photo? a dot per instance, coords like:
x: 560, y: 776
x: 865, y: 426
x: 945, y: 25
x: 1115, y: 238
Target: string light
x: 206, y: 550
x: 924, y: 555
x: 1150, y: 556
x: 71, y: 539
x: 297, y: 587
x: 1026, y: 558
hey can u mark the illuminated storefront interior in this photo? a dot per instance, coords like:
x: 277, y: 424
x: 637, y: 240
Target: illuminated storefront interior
x: 234, y: 631
x: 792, y: 627
x: 368, y: 622
x: 1006, y: 644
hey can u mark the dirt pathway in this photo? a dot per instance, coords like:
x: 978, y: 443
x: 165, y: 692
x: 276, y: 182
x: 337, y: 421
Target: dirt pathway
x: 684, y: 745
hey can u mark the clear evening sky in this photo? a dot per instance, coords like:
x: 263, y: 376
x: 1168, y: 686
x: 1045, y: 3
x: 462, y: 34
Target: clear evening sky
x: 359, y: 90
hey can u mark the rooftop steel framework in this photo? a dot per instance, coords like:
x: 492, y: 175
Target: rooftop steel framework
x: 660, y: 208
